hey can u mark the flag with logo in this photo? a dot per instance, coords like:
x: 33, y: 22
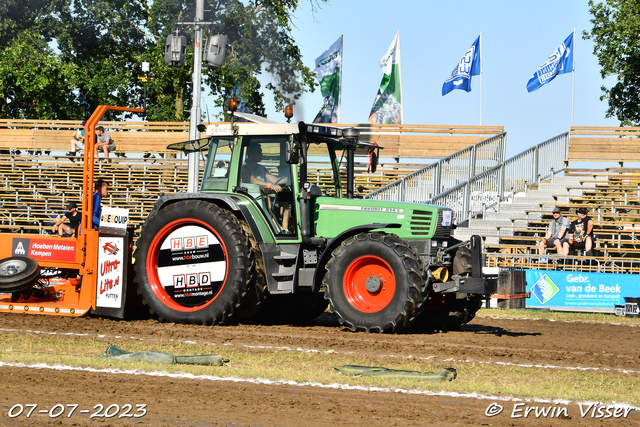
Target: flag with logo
x: 470, y: 65
x: 329, y: 72
x: 387, y: 107
x: 560, y: 62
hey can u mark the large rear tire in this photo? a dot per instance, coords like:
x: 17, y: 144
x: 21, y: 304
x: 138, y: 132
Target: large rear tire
x: 192, y: 263
x: 253, y: 302
x: 18, y: 274
x: 373, y: 283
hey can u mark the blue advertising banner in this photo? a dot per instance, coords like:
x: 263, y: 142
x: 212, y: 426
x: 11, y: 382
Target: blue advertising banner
x: 566, y: 290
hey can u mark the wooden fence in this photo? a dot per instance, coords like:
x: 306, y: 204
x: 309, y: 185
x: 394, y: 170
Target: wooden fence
x: 604, y: 144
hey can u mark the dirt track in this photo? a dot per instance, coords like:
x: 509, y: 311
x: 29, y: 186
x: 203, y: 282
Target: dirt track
x: 174, y: 401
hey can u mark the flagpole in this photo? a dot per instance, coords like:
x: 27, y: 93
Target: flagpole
x: 481, y: 78
x: 573, y: 86
x: 400, y: 76
x: 340, y: 81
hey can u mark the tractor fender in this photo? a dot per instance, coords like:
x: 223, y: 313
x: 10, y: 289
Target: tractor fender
x: 235, y: 204
x: 334, y: 243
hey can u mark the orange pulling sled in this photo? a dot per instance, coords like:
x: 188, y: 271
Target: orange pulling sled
x: 69, y: 276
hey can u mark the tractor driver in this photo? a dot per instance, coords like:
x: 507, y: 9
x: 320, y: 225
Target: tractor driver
x: 254, y: 173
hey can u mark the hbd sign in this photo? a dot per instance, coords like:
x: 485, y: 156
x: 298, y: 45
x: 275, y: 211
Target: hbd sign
x: 191, y: 280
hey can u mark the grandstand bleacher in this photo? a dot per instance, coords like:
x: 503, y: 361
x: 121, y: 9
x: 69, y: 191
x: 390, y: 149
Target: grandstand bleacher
x: 39, y: 178
x: 35, y: 188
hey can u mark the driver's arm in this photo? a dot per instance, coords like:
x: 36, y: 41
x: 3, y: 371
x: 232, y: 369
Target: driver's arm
x: 271, y: 178
x: 267, y: 184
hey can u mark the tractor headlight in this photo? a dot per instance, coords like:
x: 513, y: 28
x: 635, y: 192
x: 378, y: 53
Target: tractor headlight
x: 446, y: 218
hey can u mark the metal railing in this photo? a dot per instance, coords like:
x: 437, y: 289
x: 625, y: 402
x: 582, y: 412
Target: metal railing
x: 492, y: 186
x: 560, y: 263
x: 424, y: 184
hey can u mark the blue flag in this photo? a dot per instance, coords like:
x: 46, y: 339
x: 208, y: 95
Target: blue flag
x: 560, y: 62
x: 469, y: 66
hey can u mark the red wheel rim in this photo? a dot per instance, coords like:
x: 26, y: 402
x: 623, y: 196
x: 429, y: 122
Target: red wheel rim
x: 374, y: 269
x: 152, y: 264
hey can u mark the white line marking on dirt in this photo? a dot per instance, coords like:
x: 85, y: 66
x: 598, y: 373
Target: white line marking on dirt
x: 302, y: 350
x: 265, y: 381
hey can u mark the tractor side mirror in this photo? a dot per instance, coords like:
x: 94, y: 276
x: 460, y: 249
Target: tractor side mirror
x: 292, y: 155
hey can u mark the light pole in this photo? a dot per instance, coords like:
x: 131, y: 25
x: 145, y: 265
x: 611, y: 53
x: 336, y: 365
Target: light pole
x: 145, y: 70
x: 175, y: 51
x: 193, y: 167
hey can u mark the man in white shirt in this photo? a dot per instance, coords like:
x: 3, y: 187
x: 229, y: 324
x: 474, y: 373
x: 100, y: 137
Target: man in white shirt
x: 557, y: 235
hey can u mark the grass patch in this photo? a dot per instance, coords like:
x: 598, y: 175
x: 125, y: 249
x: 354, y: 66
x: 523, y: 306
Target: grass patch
x: 319, y: 367
x: 563, y: 316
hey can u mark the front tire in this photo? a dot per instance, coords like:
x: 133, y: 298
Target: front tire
x: 373, y: 283
x: 192, y: 263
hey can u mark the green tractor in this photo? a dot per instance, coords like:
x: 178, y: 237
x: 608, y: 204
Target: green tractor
x: 262, y: 240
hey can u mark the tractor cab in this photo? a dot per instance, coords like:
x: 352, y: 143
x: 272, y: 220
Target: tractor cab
x: 269, y: 162
x: 296, y: 182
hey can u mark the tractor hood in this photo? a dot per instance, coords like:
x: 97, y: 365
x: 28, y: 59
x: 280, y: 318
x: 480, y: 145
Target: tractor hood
x: 417, y: 221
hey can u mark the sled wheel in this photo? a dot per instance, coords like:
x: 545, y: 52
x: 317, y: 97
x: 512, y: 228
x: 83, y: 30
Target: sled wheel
x: 18, y: 274
x: 192, y: 263
x: 373, y: 283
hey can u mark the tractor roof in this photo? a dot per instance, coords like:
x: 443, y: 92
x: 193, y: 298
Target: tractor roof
x: 256, y: 125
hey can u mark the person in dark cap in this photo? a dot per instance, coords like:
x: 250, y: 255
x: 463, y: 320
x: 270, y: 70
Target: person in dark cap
x: 557, y: 235
x: 73, y: 216
x: 581, y: 232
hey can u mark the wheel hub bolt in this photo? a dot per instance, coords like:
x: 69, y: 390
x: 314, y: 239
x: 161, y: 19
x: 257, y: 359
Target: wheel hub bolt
x: 373, y: 284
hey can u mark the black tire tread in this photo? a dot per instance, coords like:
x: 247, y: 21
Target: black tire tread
x: 412, y: 264
x: 257, y: 289
x: 232, y: 293
x: 22, y: 281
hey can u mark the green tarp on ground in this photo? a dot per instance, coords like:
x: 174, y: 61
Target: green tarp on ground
x: 447, y: 374
x: 115, y: 352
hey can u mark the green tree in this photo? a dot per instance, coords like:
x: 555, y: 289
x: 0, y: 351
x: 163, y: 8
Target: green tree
x: 84, y: 53
x: 616, y: 37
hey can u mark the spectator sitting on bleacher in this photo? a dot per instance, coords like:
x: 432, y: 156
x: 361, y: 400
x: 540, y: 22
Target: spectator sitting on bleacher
x: 77, y: 142
x: 557, y: 235
x: 581, y: 232
x: 104, y: 142
x: 73, y: 216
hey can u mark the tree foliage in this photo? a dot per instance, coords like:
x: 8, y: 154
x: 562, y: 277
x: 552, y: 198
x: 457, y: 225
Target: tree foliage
x: 616, y: 37
x: 62, y: 58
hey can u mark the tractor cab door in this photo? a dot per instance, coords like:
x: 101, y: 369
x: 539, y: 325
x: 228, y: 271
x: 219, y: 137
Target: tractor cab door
x: 266, y: 175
